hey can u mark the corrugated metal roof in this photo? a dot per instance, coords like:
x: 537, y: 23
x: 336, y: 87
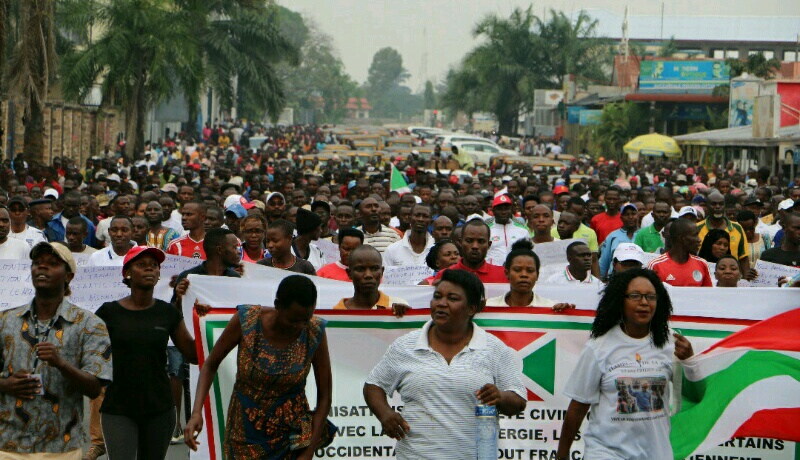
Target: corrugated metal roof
x: 706, y: 28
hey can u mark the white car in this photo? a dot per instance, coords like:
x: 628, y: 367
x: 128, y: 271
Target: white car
x: 482, y: 152
x: 445, y: 140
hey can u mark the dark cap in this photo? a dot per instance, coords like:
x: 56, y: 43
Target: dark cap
x: 752, y: 200
x: 37, y: 202
x: 307, y: 221
x: 321, y: 204
x: 18, y: 199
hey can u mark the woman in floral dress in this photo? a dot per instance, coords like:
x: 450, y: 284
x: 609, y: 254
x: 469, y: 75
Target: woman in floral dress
x: 269, y: 416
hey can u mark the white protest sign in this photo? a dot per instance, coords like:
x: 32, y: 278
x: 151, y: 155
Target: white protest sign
x: 405, y: 275
x: 553, y: 256
x: 769, y: 273
x: 330, y: 250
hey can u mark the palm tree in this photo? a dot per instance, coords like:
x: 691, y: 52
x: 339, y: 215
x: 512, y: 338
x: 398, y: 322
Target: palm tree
x: 238, y: 45
x: 520, y: 54
x: 619, y: 123
x: 500, y: 74
x: 146, y: 47
x: 31, y: 66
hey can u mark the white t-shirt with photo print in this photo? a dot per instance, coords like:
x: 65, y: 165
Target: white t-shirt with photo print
x: 626, y: 382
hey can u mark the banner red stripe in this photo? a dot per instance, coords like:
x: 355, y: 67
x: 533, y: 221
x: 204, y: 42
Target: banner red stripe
x: 777, y: 333
x: 772, y: 423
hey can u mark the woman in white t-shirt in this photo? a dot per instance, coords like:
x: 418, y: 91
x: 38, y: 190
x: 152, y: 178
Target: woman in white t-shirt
x: 623, y: 373
x: 522, y: 270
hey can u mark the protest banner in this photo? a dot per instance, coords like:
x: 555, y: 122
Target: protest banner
x: 547, y: 344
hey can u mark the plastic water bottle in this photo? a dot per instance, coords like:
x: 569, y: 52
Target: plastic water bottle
x: 486, y: 432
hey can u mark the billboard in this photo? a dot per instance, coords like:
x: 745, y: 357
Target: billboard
x: 681, y: 77
x: 590, y: 117
x: 743, y: 95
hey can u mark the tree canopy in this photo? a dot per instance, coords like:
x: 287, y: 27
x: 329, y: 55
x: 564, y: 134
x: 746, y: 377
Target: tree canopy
x: 520, y: 54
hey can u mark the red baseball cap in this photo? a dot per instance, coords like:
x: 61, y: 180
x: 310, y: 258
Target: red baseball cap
x: 453, y: 180
x: 559, y: 189
x: 138, y: 251
x: 502, y: 199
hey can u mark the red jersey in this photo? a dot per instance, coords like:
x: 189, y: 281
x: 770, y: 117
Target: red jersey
x: 692, y: 273
x: 334, y: 271
x: 603, y: 225
x: 487, y: 272
x: 186, y: 247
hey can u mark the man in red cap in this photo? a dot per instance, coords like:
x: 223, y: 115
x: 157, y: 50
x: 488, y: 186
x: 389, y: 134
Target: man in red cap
x: 504, y: 230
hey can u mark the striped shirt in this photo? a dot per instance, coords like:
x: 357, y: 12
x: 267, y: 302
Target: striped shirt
x: 439, y: 399
x: 381, y: 239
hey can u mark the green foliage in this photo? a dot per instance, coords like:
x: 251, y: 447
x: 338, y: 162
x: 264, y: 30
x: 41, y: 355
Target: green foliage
x: 320, y: 83
x: 619, y: 123
x: 522, y: 53
x: 668, y: 49
x: 384, y: 79
x: 151, y: 49
x: 756, y: 65
x: 429, y: 96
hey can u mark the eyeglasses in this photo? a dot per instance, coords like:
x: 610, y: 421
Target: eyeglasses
x: 636, y: 297
x: 253, y: 231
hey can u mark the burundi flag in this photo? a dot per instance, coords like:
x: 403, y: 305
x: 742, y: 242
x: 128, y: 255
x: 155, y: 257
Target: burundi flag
x: 747, y: 385
x: 397, y: 183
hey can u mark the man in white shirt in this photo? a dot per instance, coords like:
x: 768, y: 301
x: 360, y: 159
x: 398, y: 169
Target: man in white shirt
x: 11, y: 248
x: 120, y: 205
x: 20, y: 230
x: 413, y: 248
x: 504, y: 230
x: 579, y: 269
x: 120, y: 231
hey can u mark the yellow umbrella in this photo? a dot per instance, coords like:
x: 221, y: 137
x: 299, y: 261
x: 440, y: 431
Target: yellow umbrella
x: 653, y: 145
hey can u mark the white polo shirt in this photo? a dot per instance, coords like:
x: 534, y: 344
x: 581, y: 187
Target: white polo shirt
x: 15, y: 249
x: 401, y: 253
x: 31, y: 235
x: 105, y: 257
x: 439, y: 398
x: 565, y: 277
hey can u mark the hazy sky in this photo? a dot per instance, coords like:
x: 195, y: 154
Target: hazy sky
x: 433, y: 35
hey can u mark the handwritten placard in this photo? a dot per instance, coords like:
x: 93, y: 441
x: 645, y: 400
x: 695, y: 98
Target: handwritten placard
x: 769, y: 273
x: 407, y: 275
x: 553, y: 256
x: 330, y: 250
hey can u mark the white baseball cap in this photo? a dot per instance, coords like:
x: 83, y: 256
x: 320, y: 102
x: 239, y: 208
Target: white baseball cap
x: 686, y: 210
x: 786, y: 204
x: 51, y: 192
x: 629, y: 251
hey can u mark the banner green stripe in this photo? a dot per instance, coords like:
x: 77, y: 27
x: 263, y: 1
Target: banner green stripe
x: 704, y: 401
x: 210, y: 326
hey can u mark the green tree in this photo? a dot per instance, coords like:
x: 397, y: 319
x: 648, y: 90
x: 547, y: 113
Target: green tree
x: 320, y: 82
x: 31, y: 66
x: 573, y: 47
x: 239, y: 43
x: 145, y: 47
x: 756, y: 65
x: 386, y: 73
x: 668, y: 49
x: 520, y: 54
x: 429, y: 96
x: 619, y: 123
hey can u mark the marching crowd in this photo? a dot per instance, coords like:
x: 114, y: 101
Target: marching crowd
x: 634, y: 228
